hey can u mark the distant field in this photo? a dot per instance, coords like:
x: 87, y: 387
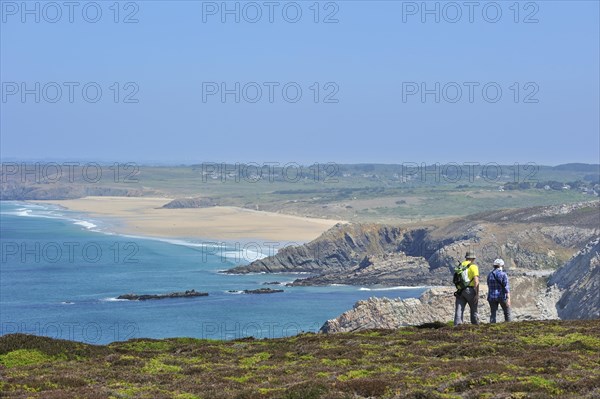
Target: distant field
x: 366, y: 192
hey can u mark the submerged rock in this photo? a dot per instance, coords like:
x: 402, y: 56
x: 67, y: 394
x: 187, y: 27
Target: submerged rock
x: 262, y: 291
x: 183, y: 294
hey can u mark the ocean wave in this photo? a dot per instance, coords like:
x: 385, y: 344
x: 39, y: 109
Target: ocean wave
x: 35, y: 210
x: 398, y: 288
x: 87, y: 225
x: 224, y: 271
x: 283, y: 283
x: 216, y: 249
x: 220, y: 249
x: 50, y: 212
x: 175, y: 241
x: 112, y: 299
x: 17, y: 212
x: 244, y: 255
x: 232, y: 253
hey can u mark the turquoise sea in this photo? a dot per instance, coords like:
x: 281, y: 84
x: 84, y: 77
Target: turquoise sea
x: 61, y: 271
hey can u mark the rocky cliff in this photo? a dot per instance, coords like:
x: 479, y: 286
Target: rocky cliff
x: 391, y: 269
x: 532, y: 300
x: 571, y: 292
x: 579, y: 282
x: 540, y: 238
x: 340, y: 248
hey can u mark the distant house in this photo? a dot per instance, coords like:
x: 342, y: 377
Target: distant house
x: 546, y: 187
x: 566, y: 187
x: 500, y: 188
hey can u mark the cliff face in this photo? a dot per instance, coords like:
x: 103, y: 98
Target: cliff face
x: 541, y: 238
x: 571, y: 292
x: 394, y: 269
x: 435, y: 304
x: 532, y: 300
x: 340, y: 248
x: 579, y: 281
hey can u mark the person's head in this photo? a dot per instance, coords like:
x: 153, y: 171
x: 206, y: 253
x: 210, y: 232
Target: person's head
x: 498, y: 263
x: 470, y: 255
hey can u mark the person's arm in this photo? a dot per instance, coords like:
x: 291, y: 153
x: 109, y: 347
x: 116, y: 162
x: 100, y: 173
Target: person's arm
x: 507, y: 288
x: 476, y: 286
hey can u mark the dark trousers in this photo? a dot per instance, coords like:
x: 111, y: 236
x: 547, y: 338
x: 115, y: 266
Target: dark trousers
x: 467, y: 296
x: 494, y: 309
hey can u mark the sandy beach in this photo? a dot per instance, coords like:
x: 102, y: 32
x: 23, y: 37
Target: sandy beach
x: 145, y: 217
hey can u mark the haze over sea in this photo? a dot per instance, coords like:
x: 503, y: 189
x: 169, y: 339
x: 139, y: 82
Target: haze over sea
x: 61, y: 273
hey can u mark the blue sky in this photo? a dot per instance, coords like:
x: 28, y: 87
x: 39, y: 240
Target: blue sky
x: 371, y: 61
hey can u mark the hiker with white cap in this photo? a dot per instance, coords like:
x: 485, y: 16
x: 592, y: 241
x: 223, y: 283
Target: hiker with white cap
x: 498, y: 291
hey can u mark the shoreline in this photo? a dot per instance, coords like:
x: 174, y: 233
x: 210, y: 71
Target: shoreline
x: 145, y: 217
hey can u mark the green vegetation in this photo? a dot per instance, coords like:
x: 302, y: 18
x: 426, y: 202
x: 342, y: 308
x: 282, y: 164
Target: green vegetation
x: 371, y: 192
x: 513, y: 360
x: 24, y: 357
x: 148, y: 345
x: 158, y: 366
x: 253, y: 360
x: 361, y: 193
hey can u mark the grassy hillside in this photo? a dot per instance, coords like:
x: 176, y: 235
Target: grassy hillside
x: 516, y: 360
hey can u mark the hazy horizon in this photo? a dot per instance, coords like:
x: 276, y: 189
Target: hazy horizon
x: 270, y: 163
x: 345, y: 82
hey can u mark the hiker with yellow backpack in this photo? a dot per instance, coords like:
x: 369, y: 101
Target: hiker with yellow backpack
x: 466, y: 280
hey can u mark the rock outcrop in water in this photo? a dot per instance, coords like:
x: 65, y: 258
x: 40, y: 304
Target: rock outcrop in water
x: 262, y: 291
x: 183, y: 294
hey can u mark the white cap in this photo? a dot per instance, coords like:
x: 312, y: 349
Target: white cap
x: 498, y: 262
